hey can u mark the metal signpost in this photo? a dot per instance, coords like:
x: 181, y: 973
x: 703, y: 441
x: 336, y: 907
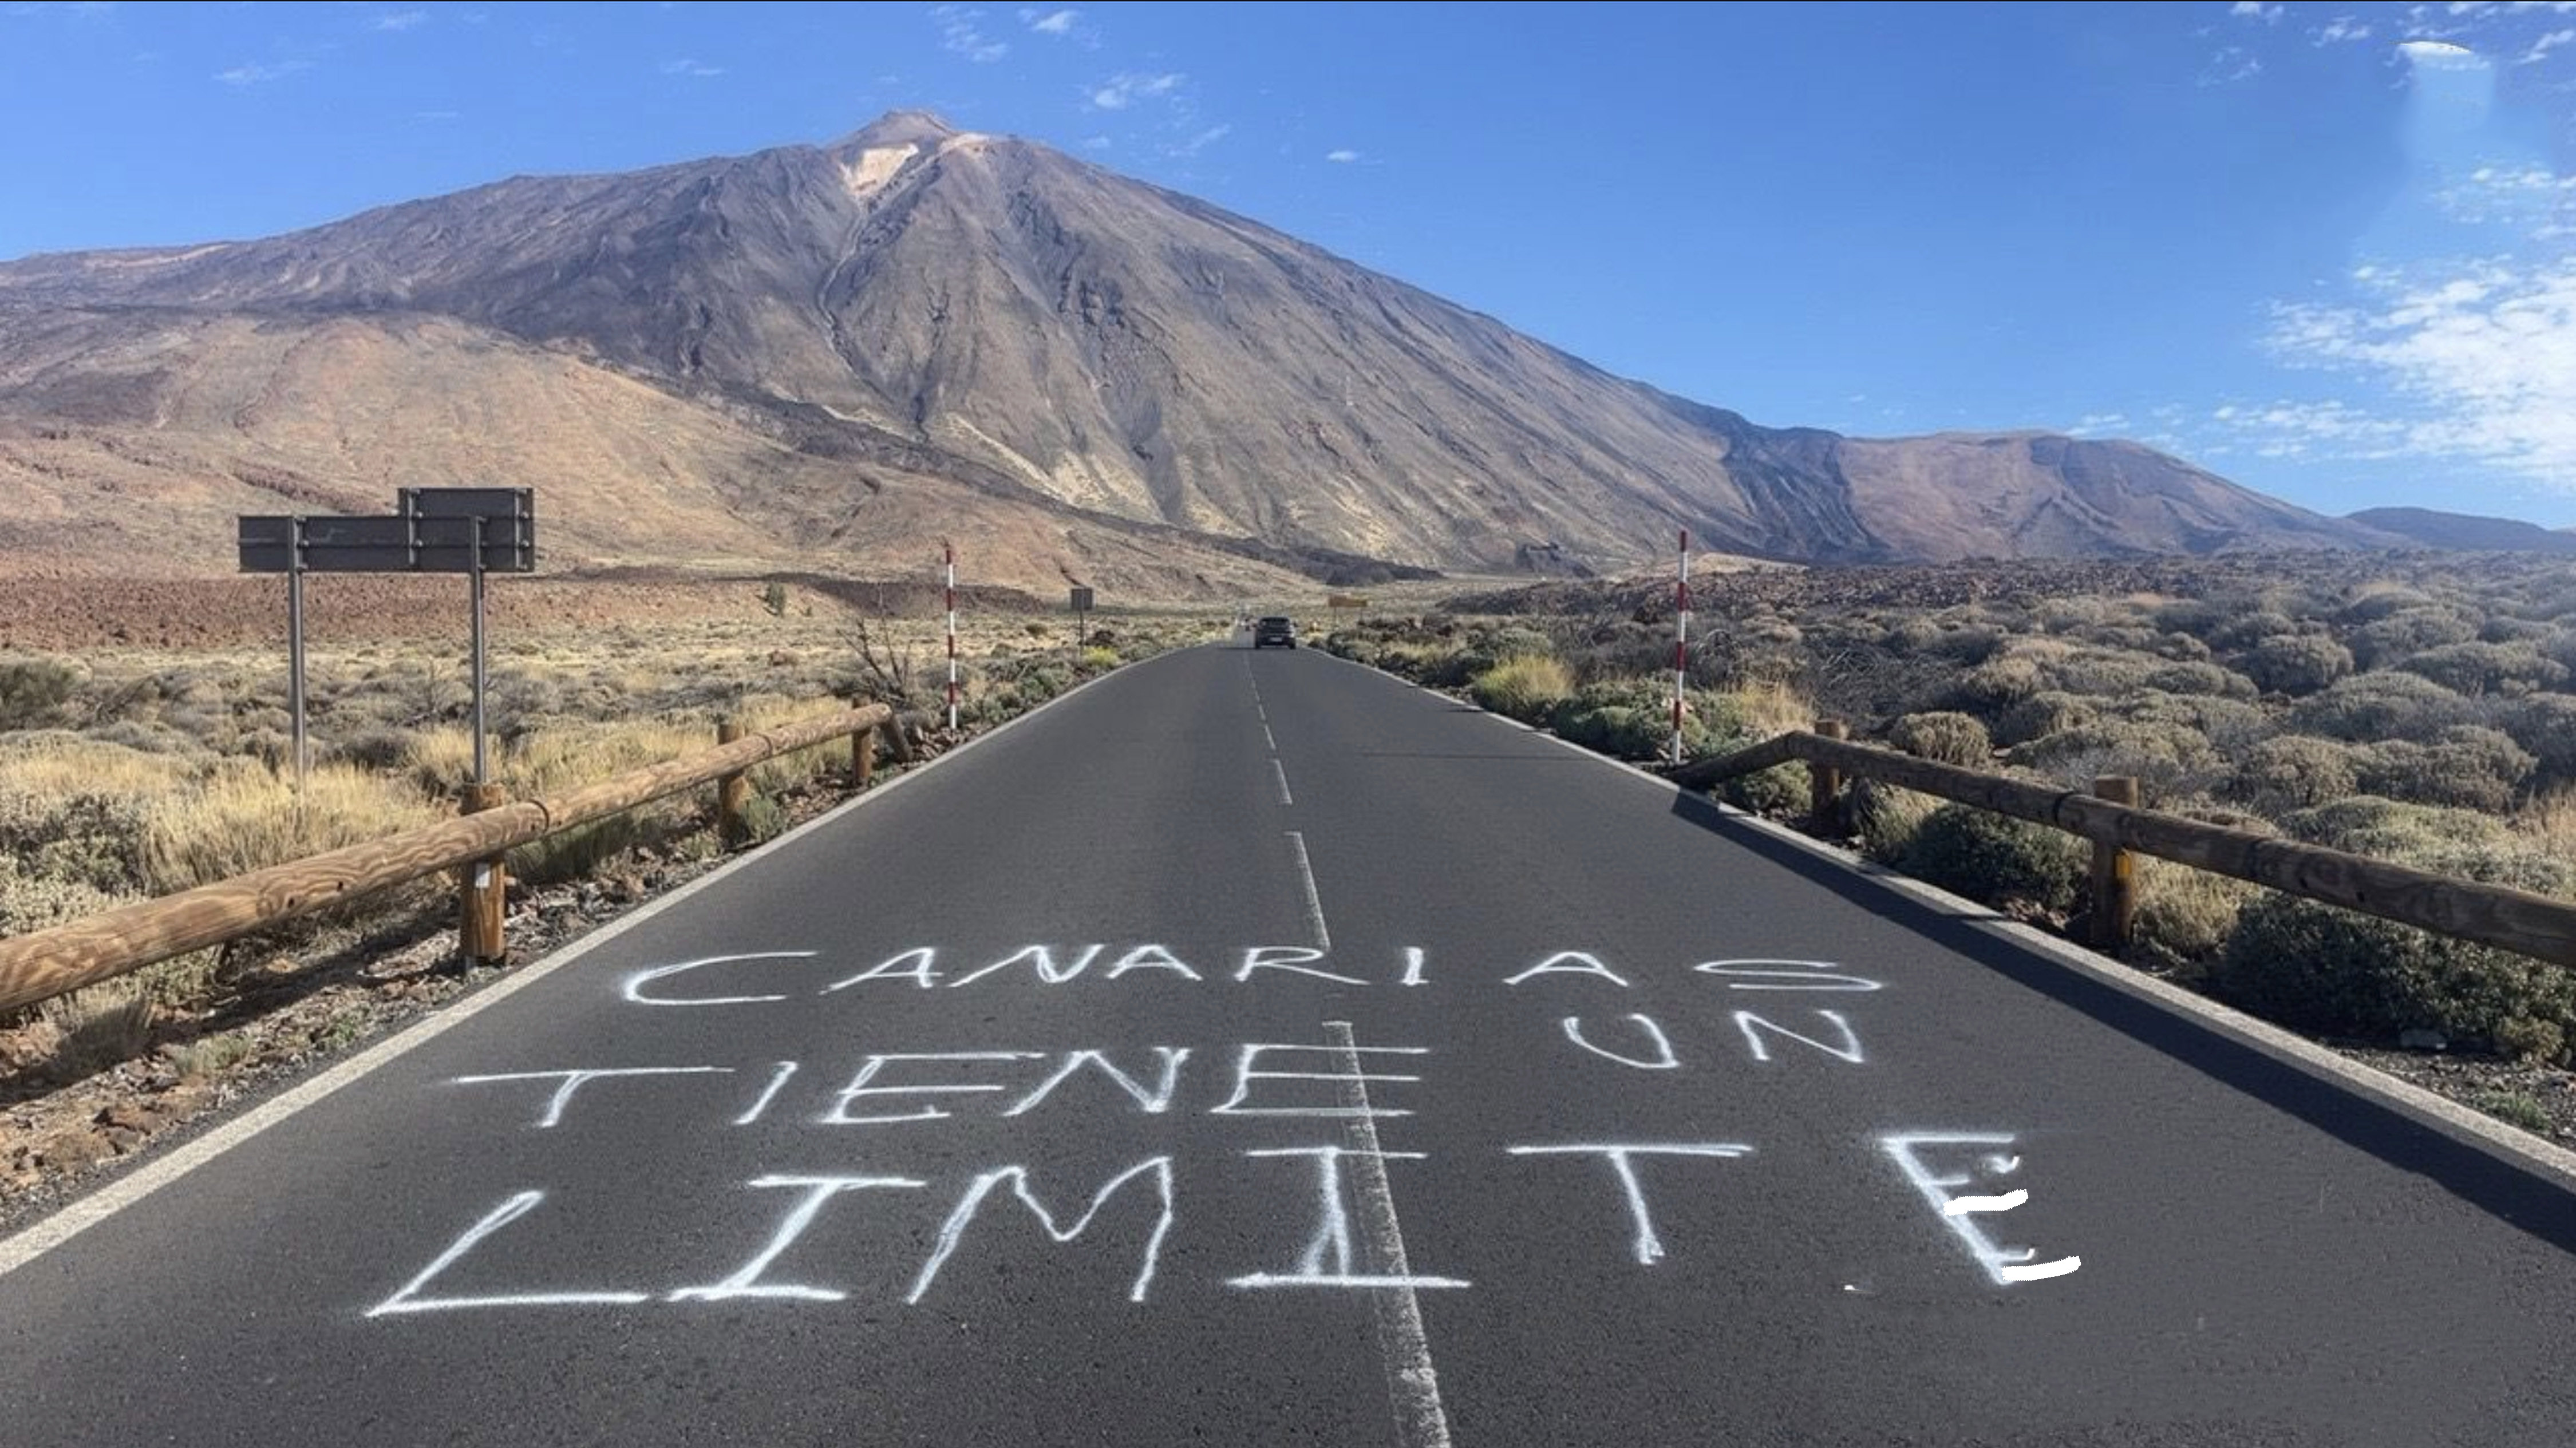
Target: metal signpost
x: 472, y: 531
x: 1081, y: 616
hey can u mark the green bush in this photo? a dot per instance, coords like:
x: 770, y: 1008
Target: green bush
x: 1098, y: 659
x: 2200, y: 678
x: 2475, y: 668
x: 2296, y: 663
x: 1633, y: 719
x: 33, y: 692
x: 2314, y: 967
x: 1996, y: 858
x: 2388, y: 829
x: 1943, y: 735
x: 2294, y: 771
x: 2167, y: 758
x: 2409, y: 632
x: 2545, y: 725
x: 1998, y: 684
x: 2381, y: 705
x: 2466, y: 767
x: 1785, y: 789
x: 1526, y: 687
x: 1885, y: 818
x: 2048, y: 712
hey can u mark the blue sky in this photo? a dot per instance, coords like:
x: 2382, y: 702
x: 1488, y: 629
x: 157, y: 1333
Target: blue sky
x: 2327, y: 250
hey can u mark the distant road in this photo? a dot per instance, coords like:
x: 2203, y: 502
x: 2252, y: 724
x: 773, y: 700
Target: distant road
x: 1252, y: 1050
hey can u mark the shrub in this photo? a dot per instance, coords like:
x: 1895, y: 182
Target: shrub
x: 2294, y: 771
x: 2367, y: 824
x: 1943, y: 735
x: 2411, y: 631
x: 2475, y: 668
x: 2243, y: 629
x: 1999, y: 684
x: 2296, y: 663
x: 1099, y: 659
x: 1995, y: 858
x: 1973, y: 644
x: 2515, y: 1108
x: 2167, y: 758
x: 1782, y: 790
x: 1886, y: 818
x: 1524, y: 686
x: 2198, y: 678
x: 2184, y: 916
x: 33, y: 691
x: 1633, y: 719
x: 2317, y: 968
x: 2465, y: 767
x: 2545, y: 724
x: 2048, y: 712
x: 2381, y: 705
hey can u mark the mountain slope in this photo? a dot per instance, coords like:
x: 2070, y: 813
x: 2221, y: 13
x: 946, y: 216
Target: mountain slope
x: 2428, y: 528
x: 1034, y: 331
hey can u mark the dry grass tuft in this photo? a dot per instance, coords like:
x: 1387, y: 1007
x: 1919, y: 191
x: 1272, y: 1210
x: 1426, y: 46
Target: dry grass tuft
x: 244, y: 819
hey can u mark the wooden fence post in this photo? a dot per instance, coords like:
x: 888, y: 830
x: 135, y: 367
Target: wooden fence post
x: 2115, y: 881
x: 1824, y: 798
x: 483, y: 886
x: 732, y: 792
x: 863, y: 757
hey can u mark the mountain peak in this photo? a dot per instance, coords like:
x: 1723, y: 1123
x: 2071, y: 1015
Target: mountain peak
x: 900, y: 128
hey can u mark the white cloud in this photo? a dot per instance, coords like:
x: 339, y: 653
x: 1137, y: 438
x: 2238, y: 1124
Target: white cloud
x: 1199, y: 141
x: 2255, y: 10
x: 2440, y: 54
x: 2095, y: 424
x: 401, y: 19
x: 1125, y: 89
x: 959, y: 34
x: 2540, y: 48
x: 2231, y: 64
x: 2484, y: 359
x: 1344, y: 157
x: 2342, y: 28
x: 1050, y: 22
x: 687, y: 66
x: 1095, y: 143
x: 253, y: 73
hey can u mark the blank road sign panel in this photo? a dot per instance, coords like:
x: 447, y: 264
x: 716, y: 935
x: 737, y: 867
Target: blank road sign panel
x: 467, y: 502
x: 399, y: 544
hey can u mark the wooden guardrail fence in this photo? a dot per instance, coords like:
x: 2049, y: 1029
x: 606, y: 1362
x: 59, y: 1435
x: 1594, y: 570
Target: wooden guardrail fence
x: 47, y: 963
x: 2515, y: 920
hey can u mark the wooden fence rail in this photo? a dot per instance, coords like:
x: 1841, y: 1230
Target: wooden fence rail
x: 2515, y: 920
x: 47, y: 963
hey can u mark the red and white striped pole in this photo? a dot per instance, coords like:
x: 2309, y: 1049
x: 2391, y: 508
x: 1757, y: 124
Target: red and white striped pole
x: 1681, y: 642
x: 948, y: 554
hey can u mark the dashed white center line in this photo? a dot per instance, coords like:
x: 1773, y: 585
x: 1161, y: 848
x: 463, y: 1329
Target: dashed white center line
x: 1412, y: 1387
x: 1314, y: 905
x: 1281, y: 770
x: 1267, y: 737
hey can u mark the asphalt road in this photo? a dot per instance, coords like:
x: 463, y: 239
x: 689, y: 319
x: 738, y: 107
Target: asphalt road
x: 1252, y: 1050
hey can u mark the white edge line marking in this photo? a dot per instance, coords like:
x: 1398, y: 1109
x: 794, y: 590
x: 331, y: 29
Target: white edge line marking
x: 1314, y: 904
x: 1282, y: 770
x: 1269, y: 738
x: 1412, y: 1385
x: 2404, y: 1097
x: 124, y: 1191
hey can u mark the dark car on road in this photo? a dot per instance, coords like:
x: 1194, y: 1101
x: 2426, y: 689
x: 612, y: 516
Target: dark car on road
x: 1274, y: 630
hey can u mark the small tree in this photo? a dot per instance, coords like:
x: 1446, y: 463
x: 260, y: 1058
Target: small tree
x: 774, y: 598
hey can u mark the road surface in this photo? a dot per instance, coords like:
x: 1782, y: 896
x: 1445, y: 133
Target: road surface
x: 1252, y: 1050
